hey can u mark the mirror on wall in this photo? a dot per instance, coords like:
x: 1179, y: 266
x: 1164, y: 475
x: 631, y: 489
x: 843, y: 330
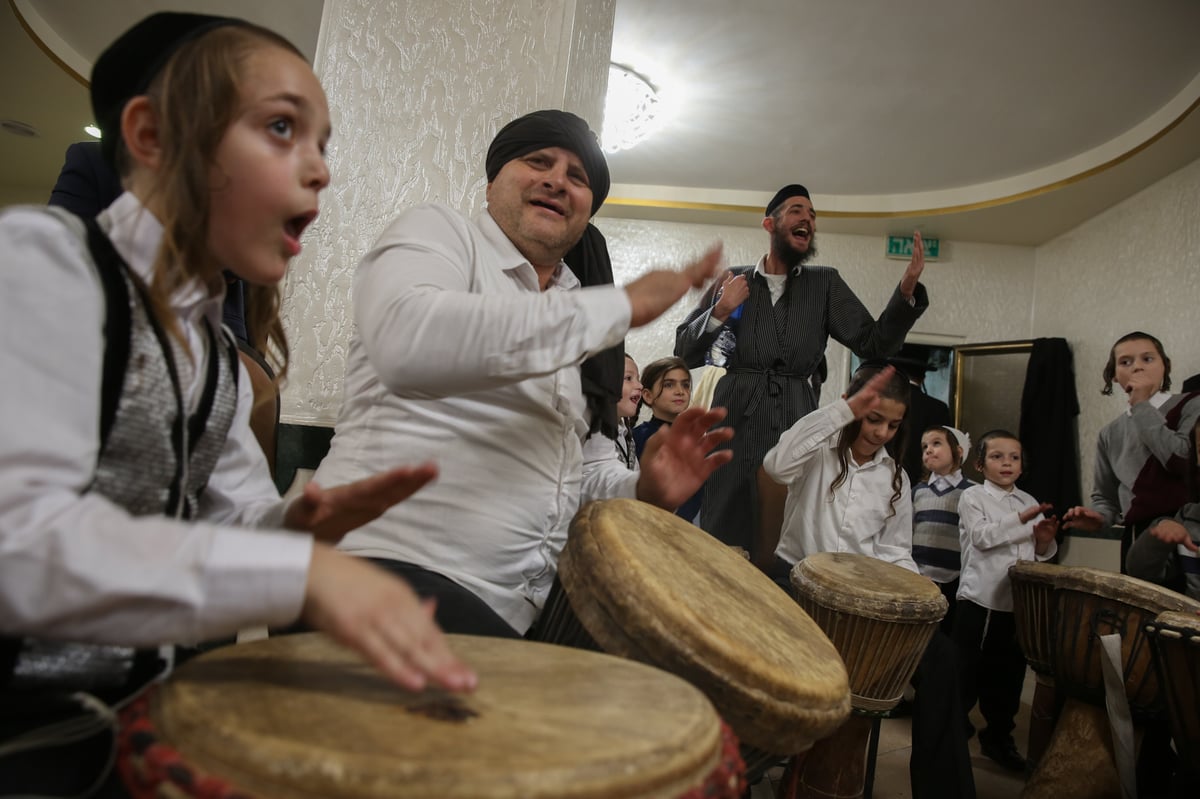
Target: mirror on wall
x: 987, y: 383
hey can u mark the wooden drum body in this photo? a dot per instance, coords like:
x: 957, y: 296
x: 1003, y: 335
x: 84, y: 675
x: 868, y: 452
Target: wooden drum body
x: 1034, y: 613
x: 880, y: 617
x: 1088, y: 604
x: 299, y: 717
x: 1091, y: 603
x: 1176, y: 639
x: 639, y: 582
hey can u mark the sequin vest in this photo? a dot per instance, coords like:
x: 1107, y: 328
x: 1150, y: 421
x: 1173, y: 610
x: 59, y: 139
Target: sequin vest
x: 153, y: 458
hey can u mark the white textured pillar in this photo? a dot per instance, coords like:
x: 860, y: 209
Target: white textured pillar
x: 416, y: 92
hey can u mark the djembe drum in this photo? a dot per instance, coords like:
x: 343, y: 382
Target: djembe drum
x: 1033, y: 612
x: 1080, y: 759
x: 1176, y: 638
x: 880, y: 617
x: 299, y: 717
x: 639, y: 582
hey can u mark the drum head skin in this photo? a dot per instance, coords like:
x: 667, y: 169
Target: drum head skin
x: 649, y: 586
x: 864, y: 586
x: 301, y: 717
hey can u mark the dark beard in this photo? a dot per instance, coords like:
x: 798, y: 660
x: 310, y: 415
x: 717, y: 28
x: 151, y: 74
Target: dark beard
x: 787, y: 254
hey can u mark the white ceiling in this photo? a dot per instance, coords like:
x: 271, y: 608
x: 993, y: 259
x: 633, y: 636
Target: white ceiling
x: 1006, y: 122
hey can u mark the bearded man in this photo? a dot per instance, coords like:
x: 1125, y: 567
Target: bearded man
x: 770, y: 323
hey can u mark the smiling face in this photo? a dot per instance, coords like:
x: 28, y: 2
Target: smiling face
x: 542, y: 201
x: 1001, y: 462
x: 937, y: 453
x: 269, y: 167
x: 670, y: 394
x: 793, y: 231
x: 631, y: 390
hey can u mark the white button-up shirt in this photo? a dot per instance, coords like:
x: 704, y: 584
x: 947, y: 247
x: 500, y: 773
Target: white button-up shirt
x: 72, y: 564
x: 459, y: 358
x: 993, y: 538
x: 858, y: 516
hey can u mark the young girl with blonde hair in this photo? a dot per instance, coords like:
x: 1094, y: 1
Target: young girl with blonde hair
x: 129, y: 479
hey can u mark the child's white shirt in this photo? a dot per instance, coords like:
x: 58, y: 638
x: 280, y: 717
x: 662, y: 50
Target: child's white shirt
x: 73, y: 565
x: 858, y: 516
x: 993, y: 538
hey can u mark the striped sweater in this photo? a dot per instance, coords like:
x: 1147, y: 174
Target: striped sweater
x: 936, y: 547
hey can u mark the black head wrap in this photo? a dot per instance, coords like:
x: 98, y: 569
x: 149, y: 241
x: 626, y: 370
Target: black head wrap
x: 551, y: 129
x: 126, y: 68
x: 784, y: 194
x: 603, y: 373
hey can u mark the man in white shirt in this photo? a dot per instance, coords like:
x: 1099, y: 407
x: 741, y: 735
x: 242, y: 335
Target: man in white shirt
x: 469, y: 339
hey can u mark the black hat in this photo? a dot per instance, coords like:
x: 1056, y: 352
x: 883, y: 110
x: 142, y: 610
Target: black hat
x: 551, y: 129
x: 912, y: 361
x: 787, y: 192
x: 124, y: 70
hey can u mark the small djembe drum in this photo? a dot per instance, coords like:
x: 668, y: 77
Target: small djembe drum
x: 1034, y: 612
x: 880, y: 617
x: 299, y: 717
x: 1176, y: 638
x: 639, y: 582
x: 1080, y: 759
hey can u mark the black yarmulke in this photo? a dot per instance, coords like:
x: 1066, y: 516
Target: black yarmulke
x: 124, y: 70
x: 787, y: 192
x: 551, y: 128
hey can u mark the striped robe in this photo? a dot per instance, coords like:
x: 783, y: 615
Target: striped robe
x: 767, y: 386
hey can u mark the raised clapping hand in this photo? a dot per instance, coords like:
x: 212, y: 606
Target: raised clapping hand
x: 733, y: 292
x: 679, y: 457
x: 1030, y: 513
x: 330, y: 513
x: 912, y: 274
x: 866, y: 398
x: 654, y: 292
x: 380, y: 617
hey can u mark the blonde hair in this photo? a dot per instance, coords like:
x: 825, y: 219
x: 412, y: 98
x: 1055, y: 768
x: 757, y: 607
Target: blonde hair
x: 195, y: 98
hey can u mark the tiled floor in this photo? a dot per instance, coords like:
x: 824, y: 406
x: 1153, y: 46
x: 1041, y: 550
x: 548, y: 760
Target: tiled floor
x: 895, y: 743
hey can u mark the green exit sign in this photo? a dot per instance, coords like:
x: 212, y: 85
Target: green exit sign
x: 901, y: 247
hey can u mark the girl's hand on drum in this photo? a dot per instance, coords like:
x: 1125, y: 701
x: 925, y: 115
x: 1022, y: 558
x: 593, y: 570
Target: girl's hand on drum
x: 679, y: 457
x: 1172, y: 532
x: 330, y: 513
x: 379, y: 616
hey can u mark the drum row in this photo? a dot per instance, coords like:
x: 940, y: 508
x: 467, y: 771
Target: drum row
x: 695, y: 650
x: 1063, y: 614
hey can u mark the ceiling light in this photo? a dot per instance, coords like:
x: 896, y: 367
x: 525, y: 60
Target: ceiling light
x: 92, y: 131
x: 631, y: 109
